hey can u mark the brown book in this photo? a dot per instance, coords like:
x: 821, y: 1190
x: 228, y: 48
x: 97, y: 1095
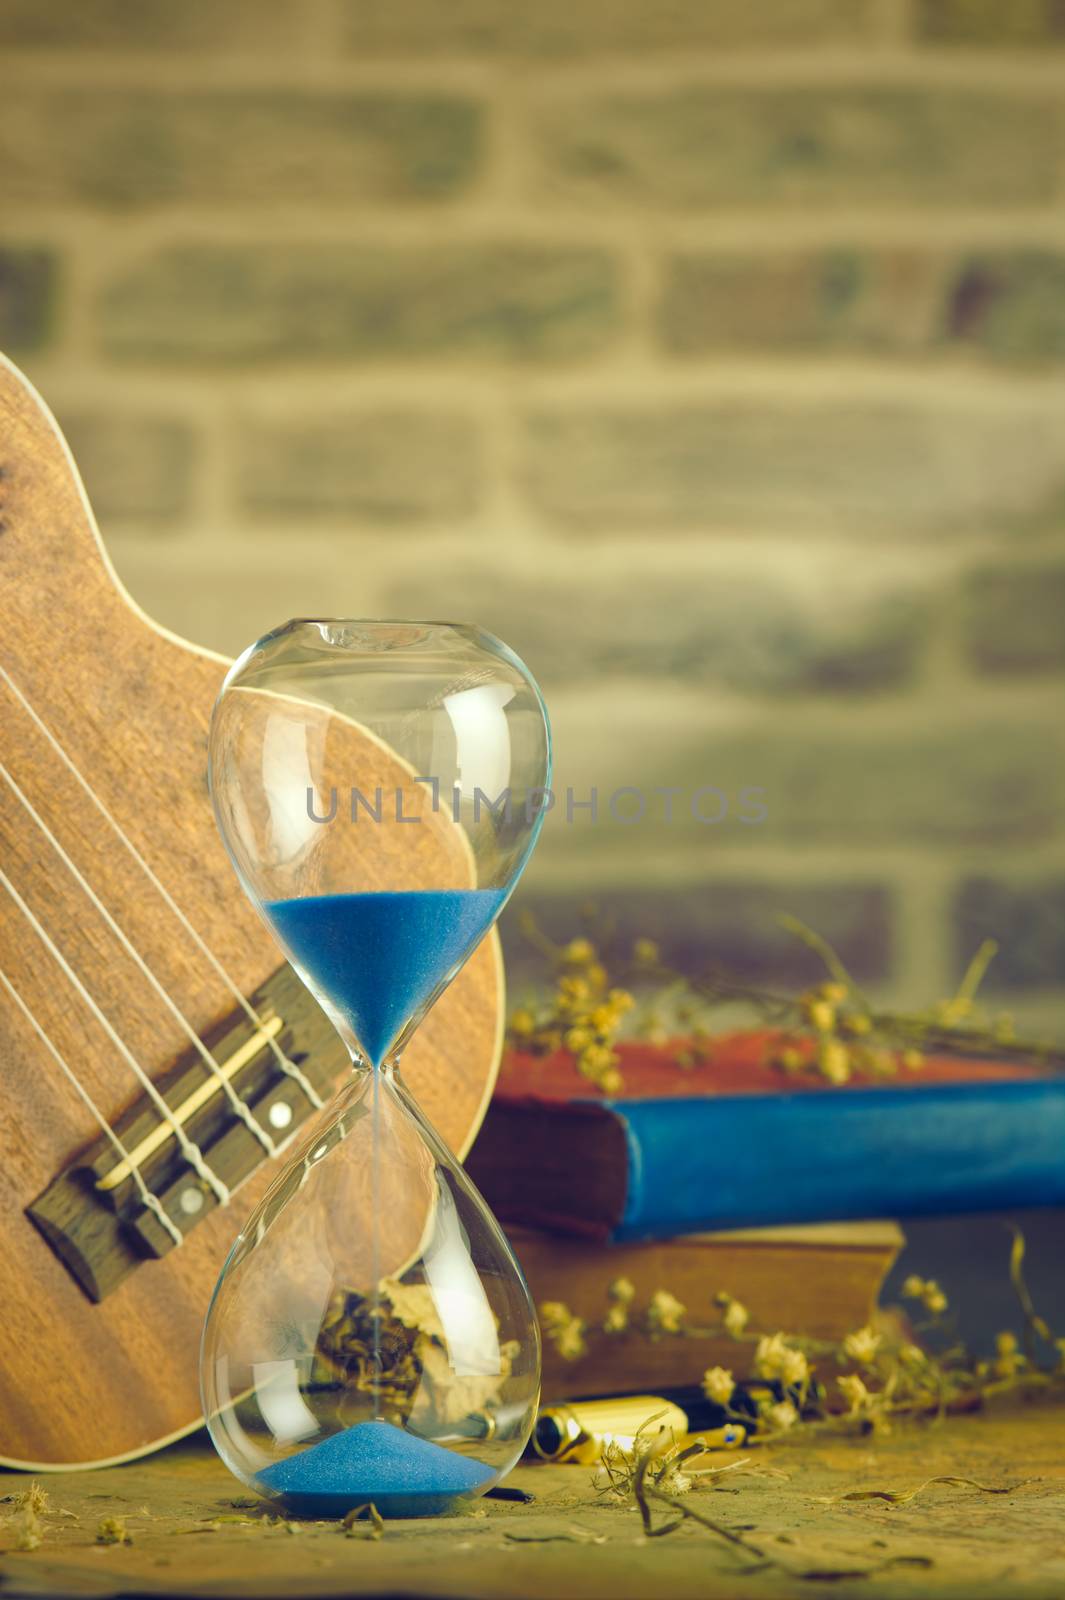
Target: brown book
x: 821, y: 1280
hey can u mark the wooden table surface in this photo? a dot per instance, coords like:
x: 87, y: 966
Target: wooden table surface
x: 949, y: 1540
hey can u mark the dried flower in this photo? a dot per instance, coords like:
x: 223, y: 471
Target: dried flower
x: 736, y: 1318
x: 579, y: 952
x: 783, y: 1415
x: 794, y: 1368
x: 854, y: 1392
x: 834, y: 1061
x: 926, y: 1290
x: 622, y: 1289
x: 1008, y: 1358
x: 934, y: 1298
x: 565, y: 1331
x: 862, y: 1346
x: 665, y: 1314
x: 113, y: 1530
x: 820, y: 1014
x: 771, y: 1355
x: 718, y: 1385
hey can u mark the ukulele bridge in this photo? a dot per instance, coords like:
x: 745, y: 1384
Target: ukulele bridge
x: 94, y: 1213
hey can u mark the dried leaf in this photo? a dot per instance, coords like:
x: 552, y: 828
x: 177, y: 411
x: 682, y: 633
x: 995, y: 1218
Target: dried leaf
x: 902, y: 1497
x: 364, y: 1522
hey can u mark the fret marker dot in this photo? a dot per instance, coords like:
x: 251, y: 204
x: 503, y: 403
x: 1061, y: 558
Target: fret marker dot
x: 280, y: 1115
x: 191, y: 1202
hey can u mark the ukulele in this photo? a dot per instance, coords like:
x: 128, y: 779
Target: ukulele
x: 157, y: 1053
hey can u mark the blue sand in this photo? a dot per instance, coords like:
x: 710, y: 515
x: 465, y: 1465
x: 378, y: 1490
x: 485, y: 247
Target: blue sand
x: 403, y: 1475
x: 380, y: 956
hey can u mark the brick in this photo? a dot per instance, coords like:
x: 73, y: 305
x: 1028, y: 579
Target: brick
x: 118, y: 147
x: 596, y: 27
x: 135, y: 468
x: 224, y: 593
x: 990, y: 22
x: 28, y: 280
x: 805, y: 300
x: 116, y: 25
x: 386, y: 466
x: 1014, y: 619
x: 720, y: 922
x: 742, y: 630
x: 977, y: 782
x: 810, y: 146
x: 817, y: 467
x: 1027, y: 921
x: 355, y: 301
x: 1009, y: 305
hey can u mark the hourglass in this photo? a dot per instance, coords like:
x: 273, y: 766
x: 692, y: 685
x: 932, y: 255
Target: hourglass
x: 379, y: 786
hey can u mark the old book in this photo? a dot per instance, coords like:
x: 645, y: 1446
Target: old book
x: 820, y: 1280
x: 734, y: 1144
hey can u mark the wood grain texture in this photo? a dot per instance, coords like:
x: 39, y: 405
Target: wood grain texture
x: 130, y: 705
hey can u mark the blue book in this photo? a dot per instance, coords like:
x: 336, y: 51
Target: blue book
x: 651, y: 1168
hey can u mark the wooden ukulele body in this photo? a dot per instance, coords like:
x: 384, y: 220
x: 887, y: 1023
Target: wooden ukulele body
x: 129, y: 704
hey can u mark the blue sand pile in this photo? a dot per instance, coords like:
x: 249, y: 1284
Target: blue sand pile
x: 403, y: 1475
x: 380, y: 956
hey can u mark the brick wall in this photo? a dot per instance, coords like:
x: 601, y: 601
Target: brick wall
x: 712, y: 353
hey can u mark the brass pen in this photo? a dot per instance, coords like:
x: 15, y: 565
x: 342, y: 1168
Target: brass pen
x: 579, y: 1430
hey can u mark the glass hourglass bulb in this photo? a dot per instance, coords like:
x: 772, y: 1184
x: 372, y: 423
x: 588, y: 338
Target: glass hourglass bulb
x: 379, y: 786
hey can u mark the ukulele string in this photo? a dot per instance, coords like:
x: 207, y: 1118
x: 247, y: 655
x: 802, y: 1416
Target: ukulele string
x: 289, y: 1068
x: 192, y: 1153
x: 148, y: 1198
x: 240, y: 1106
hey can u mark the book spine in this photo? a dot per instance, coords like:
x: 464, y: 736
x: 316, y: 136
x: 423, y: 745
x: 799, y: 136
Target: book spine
x: 756, y: 1160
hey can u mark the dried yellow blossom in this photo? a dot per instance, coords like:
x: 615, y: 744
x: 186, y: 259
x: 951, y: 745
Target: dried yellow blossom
x: 578, y: 1039
x: 736, y: 1318
x: 1008, y: 1359
x: 522, y: 1023
x: 665, y: 1314
x: 782, y: 1415
x: 862, y: 1346
x: 934, y: 1298
x: 794, y: 1368
x: 854, y: 1392
x: 616, y: 1319
x: 834, y: 1061
x: 820, y: 1014
x: 564, y: 1330
x: 913, y: 1287
x: 622, y: 1289
x: 718, y: 1385
x: 621, y: 1000
x: 912, y: 1060
x: 645, y: 951
x: 770, y: 1356
x: 579, y: 952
